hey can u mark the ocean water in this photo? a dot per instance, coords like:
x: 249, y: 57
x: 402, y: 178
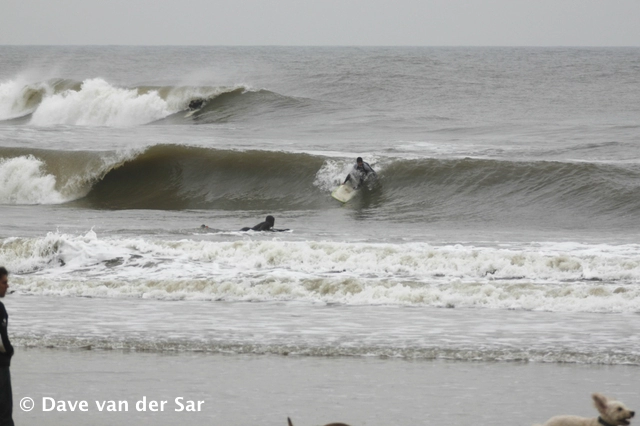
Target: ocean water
x: 503, y: 225
x: 249, y: 390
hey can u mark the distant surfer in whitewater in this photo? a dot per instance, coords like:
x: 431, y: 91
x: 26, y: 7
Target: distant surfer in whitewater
x: 361, y: 171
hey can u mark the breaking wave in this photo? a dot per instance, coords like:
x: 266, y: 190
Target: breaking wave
x: 175, y: 177
x: 96, y: 102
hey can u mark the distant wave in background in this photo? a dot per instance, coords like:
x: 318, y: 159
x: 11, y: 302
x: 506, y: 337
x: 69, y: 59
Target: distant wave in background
x: 95, y: 102
x: 175, y: 177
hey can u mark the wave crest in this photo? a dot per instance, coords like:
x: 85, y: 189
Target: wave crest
x: 96, y: 102
x: 24, y: 181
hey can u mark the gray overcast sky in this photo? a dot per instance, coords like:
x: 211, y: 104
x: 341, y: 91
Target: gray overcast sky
x: 325, y: 22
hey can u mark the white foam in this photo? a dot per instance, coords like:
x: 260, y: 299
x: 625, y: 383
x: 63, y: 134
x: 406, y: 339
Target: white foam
x: 333, y: 172
x: 98, y: 103
x: 582, y: 279
x: 15, y: 96
x: 24, y: 181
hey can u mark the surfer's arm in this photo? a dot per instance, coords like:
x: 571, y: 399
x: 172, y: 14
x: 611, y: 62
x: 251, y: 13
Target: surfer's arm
x: 6, y: 344
x: 354, y: 172
x: 368, y: 169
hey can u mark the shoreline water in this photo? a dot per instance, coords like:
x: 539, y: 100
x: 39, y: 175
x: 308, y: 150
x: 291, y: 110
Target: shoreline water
x: 324, y: 330
x: 249, y: 389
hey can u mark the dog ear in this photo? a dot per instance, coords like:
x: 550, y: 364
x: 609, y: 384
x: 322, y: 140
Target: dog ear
x: 600, y: 401
x: 289, y: 421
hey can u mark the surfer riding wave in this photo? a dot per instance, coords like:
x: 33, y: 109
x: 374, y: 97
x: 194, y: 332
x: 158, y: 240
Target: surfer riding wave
x: 360, y: 172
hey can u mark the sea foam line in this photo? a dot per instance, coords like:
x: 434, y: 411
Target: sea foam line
x: 578, y: 278
x: 219, y: 346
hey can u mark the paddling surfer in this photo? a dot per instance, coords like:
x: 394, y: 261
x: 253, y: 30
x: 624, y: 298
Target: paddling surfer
x: 267, y: 225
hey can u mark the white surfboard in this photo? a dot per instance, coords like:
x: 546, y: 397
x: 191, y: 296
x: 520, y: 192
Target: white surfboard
x: 344, y: 193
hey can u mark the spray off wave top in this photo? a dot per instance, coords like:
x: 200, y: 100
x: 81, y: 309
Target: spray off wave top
x: 96, y: 102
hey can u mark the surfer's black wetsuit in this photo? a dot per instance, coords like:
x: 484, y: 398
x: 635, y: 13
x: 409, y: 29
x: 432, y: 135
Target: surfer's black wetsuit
x: 196, y: 104
x: 267, y: 225
x: 6, y: 394
x: 5, y: 356
x: 361, y: 169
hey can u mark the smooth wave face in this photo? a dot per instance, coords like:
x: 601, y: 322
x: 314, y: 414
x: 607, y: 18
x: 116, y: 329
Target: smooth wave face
x: 239, y: 105
x: 555, y: 277
x: 171, y: 177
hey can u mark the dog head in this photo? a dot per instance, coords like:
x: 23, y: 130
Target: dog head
x: 613, y: 412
